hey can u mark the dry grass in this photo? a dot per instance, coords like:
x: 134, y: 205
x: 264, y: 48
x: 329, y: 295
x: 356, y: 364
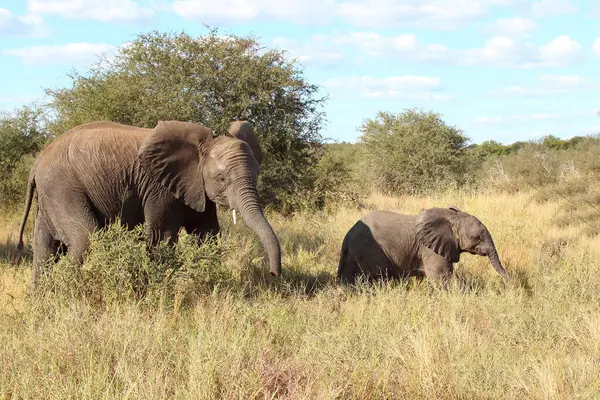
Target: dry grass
x: 302, y: 337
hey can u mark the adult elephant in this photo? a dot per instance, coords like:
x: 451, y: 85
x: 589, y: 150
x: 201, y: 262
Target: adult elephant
x: 386, y: 244
x: 168, y: 177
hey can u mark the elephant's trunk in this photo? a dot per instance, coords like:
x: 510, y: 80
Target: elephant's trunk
x: 495, y: 260
x: 248, y: 205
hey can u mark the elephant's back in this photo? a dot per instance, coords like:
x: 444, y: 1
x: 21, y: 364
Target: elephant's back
x: 106, y: 132
x: 104, y: 157
x: 384, y: 219
x: 101, y: 136
x: 103, y: 145
x: 97, y: 159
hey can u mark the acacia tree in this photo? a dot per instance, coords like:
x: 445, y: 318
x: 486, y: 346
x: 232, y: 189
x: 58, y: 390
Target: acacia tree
x: 413, y: 151
x: 212, y: 80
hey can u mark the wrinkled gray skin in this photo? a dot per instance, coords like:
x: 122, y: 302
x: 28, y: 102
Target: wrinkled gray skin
x: 168, y: 177
x: 389, y: 245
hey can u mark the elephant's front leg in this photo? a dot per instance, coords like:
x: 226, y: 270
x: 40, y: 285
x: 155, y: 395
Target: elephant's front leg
x: 202, y: 224
x: 162, y: 223
x: 437, y: 268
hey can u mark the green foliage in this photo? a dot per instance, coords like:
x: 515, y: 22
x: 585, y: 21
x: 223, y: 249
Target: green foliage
x: 118, y: 268
x: 546, y: 162
x: 557, y: 170
x: 552, y: 142
x: 212, y: 80
x: 331, y: 183
x: 491, y: 148
x: 413, y: 151
x: 22, y: 135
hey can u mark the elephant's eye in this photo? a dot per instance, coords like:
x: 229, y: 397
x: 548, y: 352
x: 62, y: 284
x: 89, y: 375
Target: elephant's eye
x: 221, y: 178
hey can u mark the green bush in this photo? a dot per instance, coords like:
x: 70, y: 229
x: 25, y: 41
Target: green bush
x: 118, y: 268
x: 22, y: 135
x: 413, y: 152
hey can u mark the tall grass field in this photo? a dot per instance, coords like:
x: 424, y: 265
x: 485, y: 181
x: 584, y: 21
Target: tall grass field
x: 209, y: 322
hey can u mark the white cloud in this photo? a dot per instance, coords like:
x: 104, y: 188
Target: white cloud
x: 518, y: 118
x: 559, y: 51
x: 310, y: 52
x: 405, y: 45
x: 99, y: 10
x: 242, y: 11
x: 369, y: 43
x: 391, y: 87
x: 596, y: 47
x: 498, y: 51
x: 545, y: 8
x: 549, y: 84
x: 437, y: 14
x: 71, y: 53
x: 366, y: 14
x: 503, y: 51
x: 29, y: 25
x: 513, y: 27
x: 564, y: 80
x: 18, y: 98
x: 446, y: 14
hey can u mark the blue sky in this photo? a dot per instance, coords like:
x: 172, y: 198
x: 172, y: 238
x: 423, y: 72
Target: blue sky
x: 498, y: 69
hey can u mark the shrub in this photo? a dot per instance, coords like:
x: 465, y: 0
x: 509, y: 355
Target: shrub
x: 117, y: 268
x: 554, y: 170
x: 413, y: 152
x: 22, y: 135
x: 331, y: 186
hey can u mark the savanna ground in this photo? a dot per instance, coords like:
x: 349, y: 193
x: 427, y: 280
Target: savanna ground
x: 239, y: 333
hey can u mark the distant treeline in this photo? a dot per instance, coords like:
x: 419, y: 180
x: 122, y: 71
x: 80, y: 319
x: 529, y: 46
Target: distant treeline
x: 492, y: 147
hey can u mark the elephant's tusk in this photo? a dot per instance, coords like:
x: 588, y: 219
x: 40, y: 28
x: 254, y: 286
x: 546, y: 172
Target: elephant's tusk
x: 234, y: 218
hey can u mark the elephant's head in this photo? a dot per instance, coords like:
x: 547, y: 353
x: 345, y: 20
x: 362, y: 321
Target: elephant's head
x: 449, y: 232
x: 193, y: 165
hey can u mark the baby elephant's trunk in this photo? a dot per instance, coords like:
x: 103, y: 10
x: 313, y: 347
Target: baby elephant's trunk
x: 495, y: 260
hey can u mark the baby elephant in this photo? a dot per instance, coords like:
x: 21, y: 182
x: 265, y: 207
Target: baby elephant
x: 385, y: 244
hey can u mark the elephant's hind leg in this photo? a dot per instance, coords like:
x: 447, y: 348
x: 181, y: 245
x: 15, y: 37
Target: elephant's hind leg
x: 78, y: 222
x: 44, y: 247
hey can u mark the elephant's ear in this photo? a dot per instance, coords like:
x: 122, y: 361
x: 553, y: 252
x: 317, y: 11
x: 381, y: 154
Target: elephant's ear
x: 243, y: 130
x: 454, y: 208
x: 434, y: 231
x: 171, y: 154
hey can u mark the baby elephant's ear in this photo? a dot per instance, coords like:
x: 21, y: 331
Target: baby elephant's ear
x: 454, y: 208
x: 434, y: 231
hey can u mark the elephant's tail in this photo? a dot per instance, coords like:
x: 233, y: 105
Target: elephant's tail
x: 29, y: 198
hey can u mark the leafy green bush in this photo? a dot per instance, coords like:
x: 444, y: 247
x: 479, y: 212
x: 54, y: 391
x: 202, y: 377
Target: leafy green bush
x: 22, y: 135
x: 332, y: 185
x: 117, y: 268
x: 412, y: 152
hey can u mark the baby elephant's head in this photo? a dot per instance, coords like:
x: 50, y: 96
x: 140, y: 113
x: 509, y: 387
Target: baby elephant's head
x: 449, y: 232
